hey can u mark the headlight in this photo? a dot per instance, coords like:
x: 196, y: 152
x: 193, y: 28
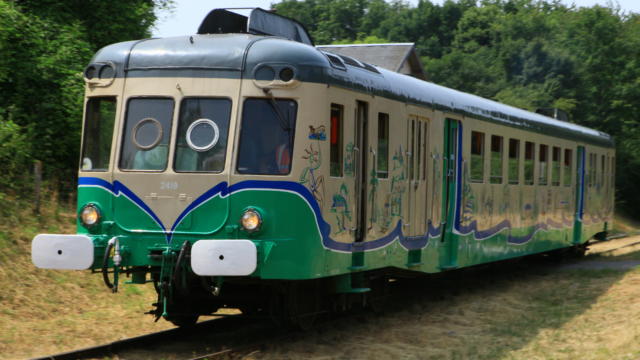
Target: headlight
x: 90, y: 215
x: 251, y: 220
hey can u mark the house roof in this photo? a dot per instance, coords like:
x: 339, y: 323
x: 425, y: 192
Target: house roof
x: 398, y: 57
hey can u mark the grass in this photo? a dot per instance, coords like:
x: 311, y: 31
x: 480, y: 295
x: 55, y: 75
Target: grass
x: 46, y: 311
x: 625, y: 224
x: 522, y: 311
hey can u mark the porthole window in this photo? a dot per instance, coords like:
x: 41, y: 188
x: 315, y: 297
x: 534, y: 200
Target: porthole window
x: 147, y: 130
x: 203, y: 127
x: 202, y: 135
x: 147, y: 133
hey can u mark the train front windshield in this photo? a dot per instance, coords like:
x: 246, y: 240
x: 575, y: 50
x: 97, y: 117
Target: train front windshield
x: 265, y: 147
x: 98, y: 132
x: 266, y: 137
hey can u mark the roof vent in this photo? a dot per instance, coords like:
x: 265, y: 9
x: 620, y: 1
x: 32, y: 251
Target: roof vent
x: 335, y: 61
x: 353, y: 62
x: 259, y: 22
x: 555, y: 113
x: 350, y: 61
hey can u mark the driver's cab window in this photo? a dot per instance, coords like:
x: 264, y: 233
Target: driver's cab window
x: 147, y: 131
x: 266, y: 136
x: 201, y: 144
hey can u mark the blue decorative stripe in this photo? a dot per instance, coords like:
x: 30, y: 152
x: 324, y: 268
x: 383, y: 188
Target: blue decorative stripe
x: 419, y: 242
x: 409, y: 242
x: 472, y: 228
x: 118, y: 188
x: 222, y: 189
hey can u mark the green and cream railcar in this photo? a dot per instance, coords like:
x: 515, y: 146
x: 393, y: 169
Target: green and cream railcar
x: 233, y: 169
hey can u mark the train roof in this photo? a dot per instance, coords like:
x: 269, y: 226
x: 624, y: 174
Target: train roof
x: 238, y: 56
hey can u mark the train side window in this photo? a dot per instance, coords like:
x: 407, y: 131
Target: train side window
x: 412, y: 143
x: 201, y: 144
x: 602, y: 170
x: 612, y: 183
x: 496, y: 160
x: 587, y: 170
x: 425, y: 149
x: 609, y: 170
x: 514, y: 161
x: 542, y: 173
x: 529, y: 162
x: 568, y: 168
x: 336, y: 140
x: 555, y: 166
x: 594, y: 170
x: 590, y: 173
x: 419, y: 149
x: 382, y: 165
x: 477, y: 156
x: 266, y: 137
x: 606, y: 171
x: 597, y: 169
x: 98, y: 133
x: 147, y: 130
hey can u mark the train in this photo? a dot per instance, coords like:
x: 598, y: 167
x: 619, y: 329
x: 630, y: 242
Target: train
x: 243, y: 167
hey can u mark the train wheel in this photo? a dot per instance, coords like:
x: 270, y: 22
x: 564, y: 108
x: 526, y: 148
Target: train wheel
x: 379, y: 295
x: 183, y: 320
x: 577, y: 251
x: 297, y: 306
x: 308, y: 304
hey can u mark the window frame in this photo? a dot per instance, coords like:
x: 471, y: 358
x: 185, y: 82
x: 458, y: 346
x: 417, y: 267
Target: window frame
x: 543, y: 165
x: 239, y: 136
x: 83, y: 146
x: 501, y: 157
x: 603, y: 166
x: 123, y: 130
x: 425, y: 148
x: 482, y: 156
x: 556, y: 165
x: 570, y: 167
x: 229, y: 125
x: 340, y: 140
x: 382, y: 117
x: 532, y: 180
x: 515, y: 181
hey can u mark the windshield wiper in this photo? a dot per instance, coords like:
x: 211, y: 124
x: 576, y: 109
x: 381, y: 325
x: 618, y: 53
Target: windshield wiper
x: 284, y: 124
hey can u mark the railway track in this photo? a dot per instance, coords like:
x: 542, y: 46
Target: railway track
x: 227, y: 337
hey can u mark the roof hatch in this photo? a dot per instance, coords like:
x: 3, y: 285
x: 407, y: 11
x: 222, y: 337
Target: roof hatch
x: 259, y: 22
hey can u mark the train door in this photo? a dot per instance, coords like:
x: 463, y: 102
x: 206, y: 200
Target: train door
x: 417, y: 165
x: 411, y: 168
x: 361, y: 156
x: 579, y: 210
x: 451, y: 182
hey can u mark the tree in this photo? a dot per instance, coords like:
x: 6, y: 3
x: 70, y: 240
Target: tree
x: 45, y: 46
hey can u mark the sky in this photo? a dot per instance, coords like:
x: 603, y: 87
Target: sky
x: 187, y: 14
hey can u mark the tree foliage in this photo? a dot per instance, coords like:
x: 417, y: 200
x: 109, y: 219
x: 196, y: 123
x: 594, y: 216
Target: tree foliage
x: 44, y: 46
x: 527, y: 53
